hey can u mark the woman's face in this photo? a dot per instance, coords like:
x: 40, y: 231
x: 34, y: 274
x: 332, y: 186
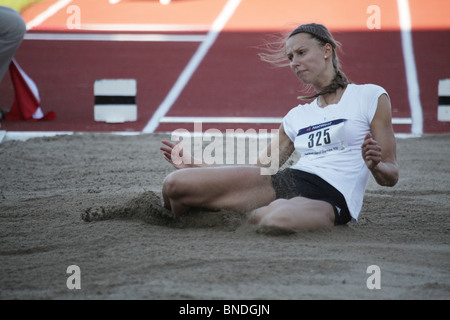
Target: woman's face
x: 306, y: 58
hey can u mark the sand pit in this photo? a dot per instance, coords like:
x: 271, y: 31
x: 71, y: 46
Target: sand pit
x: 93, y: 200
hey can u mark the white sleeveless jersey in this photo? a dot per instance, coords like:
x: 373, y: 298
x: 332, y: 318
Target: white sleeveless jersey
x: 329, y: 140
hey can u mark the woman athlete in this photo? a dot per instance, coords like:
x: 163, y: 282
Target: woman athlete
x: 343, y: 135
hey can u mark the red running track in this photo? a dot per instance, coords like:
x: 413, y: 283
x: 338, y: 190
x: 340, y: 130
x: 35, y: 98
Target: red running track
x: 231, y: 81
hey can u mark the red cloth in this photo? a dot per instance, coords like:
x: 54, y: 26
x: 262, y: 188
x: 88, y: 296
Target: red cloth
x: 26, y: 105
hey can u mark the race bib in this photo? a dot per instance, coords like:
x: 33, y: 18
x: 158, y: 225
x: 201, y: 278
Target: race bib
x: 321, y: 139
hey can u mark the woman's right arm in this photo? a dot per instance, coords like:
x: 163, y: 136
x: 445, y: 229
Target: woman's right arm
x: 280, y: 147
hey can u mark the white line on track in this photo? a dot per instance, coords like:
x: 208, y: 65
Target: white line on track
x: 115, y: 37
x: 410, y: 67
x: 192, y: 66
x: 221, y: 120
x: 52, y: 10
x: 144, y: 27
x: 246, y: 120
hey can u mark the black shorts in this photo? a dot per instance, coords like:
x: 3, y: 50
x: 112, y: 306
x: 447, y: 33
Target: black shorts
x: 290, y: 183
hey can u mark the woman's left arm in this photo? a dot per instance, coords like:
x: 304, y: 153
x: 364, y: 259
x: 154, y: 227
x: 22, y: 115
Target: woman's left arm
x: 379, y: 148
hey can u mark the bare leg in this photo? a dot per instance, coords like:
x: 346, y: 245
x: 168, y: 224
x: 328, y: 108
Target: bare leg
x: 296, y: 214
x: 240, y: 189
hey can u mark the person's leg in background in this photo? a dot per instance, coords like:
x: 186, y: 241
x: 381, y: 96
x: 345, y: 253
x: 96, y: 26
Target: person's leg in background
x: 12, y: 31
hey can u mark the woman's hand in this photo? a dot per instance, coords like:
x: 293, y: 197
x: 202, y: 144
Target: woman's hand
x: 371, y: 152
x: 176, y: 156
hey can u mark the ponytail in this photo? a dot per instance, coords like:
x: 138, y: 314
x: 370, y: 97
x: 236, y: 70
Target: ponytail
x: 339, y: 81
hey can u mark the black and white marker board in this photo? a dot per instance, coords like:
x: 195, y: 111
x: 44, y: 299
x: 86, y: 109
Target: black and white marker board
x: 115, y: 100
x: 444, y: 100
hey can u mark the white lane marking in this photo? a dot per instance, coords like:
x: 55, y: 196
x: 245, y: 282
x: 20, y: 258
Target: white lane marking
x: 192, y: 66
x: 246, y: 120
x: 114, y: 37
x: 410, y: 67
x: 144, y: 27
x: 51, y: 11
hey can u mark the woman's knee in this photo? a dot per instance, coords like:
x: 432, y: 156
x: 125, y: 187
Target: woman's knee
x: 287, y: 216
x: 174, y: 186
